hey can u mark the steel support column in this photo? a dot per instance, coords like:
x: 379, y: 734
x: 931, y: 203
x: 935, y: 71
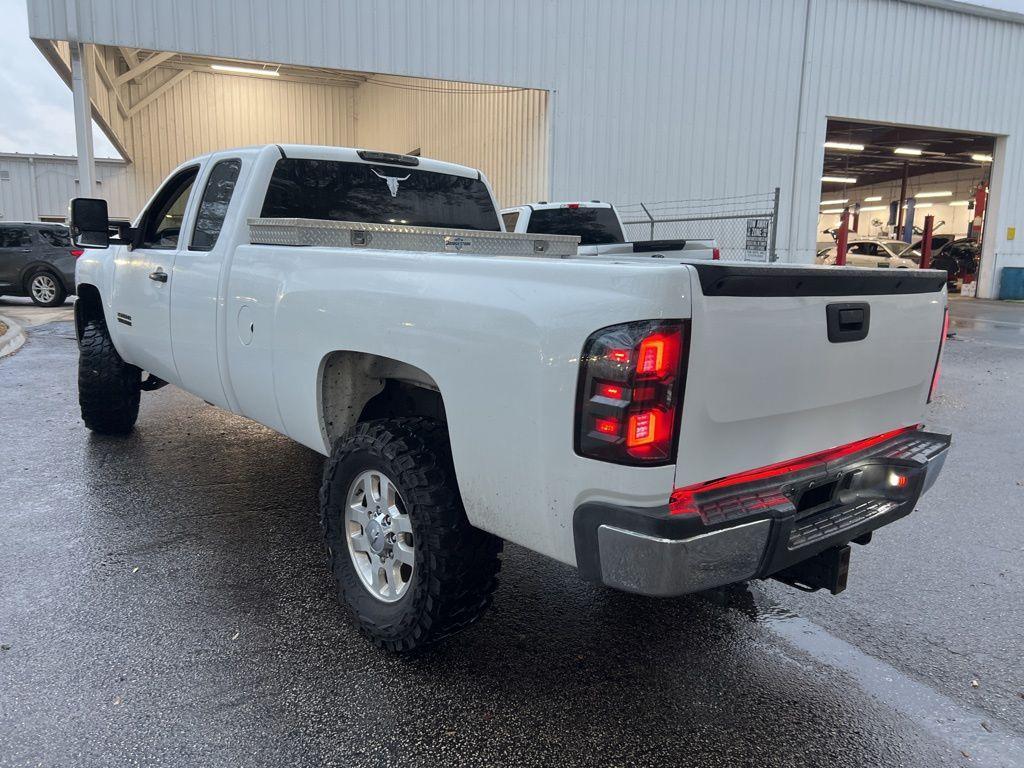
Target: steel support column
x: 83, y: 120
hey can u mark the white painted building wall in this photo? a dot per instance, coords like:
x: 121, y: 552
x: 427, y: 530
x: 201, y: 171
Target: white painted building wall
x: 37, y: 186
x: 653, y: 100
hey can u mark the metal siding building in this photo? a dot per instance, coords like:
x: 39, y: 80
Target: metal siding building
x: 666, y: 99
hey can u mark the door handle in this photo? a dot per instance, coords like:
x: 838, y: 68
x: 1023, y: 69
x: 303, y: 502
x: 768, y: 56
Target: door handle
x: 160, y: 276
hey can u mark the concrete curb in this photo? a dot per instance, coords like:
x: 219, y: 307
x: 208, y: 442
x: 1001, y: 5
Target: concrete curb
x: 11, y: 341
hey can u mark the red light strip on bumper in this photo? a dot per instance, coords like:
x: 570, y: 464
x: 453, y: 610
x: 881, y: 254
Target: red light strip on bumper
x: 684, y: 500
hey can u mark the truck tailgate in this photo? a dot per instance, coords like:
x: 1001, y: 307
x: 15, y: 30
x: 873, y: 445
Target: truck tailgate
x: 765, y: 383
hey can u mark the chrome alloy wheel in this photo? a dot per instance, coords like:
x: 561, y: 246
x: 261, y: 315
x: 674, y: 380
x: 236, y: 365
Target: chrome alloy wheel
x: 44, y: 288
x: 379, y: 534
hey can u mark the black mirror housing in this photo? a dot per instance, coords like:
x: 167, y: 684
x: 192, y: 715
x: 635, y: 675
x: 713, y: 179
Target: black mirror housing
x: 89, y: 222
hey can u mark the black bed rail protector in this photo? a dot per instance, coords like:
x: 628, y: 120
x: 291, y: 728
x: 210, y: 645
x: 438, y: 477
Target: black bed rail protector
x: 717, y: 279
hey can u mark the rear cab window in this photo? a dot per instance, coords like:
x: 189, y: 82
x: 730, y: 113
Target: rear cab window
x: 337, y: 190
x: 214, y: 205
x: 595, y: 226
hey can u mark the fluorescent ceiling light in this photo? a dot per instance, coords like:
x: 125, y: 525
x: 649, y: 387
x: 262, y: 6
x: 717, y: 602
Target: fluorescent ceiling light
x: 960, y: 203
x: 245, y: 70
x: 839, y: 179
x: 982, y: 158
x: 873, y: 208
x: 872, y: 199
x: 844, y: 145
x: 920, y: 205
x: 934, y: 194
x: 907, y: 151
x: 833, y: 210
x: 835, y: 202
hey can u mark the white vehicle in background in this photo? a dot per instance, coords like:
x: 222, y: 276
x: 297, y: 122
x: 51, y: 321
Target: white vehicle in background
x: 599, y: 227
x: 880, y: 254
x: 663, y: 425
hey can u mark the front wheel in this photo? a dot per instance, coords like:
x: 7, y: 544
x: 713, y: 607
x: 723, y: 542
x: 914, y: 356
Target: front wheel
x: 46, y: 290
x: 405, y: 560
x: 108, y: 387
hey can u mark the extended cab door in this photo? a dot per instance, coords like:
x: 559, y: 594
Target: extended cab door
x: 196, y: 284
x: 142, y: 292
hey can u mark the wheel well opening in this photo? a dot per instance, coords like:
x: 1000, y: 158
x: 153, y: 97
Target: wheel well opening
x: 357, y: 387
x: 89, y: 306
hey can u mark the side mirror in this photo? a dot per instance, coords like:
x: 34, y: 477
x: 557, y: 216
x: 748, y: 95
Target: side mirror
x: 89, y: 222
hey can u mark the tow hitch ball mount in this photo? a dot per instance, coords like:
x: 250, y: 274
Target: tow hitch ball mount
x: 826, y: 570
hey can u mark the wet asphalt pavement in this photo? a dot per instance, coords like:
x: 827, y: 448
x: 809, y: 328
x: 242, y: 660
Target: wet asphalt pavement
x: 164, y: 602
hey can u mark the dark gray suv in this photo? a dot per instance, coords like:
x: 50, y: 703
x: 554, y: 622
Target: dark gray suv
x: 37, y: 260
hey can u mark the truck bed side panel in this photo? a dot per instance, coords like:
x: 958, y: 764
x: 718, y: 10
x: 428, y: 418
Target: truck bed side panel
x: 500, y: 336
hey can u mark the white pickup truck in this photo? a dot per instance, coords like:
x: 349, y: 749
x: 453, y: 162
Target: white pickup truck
x: 599, y: 227
x: 664, y: 425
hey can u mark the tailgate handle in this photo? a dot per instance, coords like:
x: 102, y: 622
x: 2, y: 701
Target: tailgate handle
x: 848, y: 321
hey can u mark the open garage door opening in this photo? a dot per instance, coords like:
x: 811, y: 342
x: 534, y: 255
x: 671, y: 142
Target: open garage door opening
x: 892, y: 184
x: 160, y: 108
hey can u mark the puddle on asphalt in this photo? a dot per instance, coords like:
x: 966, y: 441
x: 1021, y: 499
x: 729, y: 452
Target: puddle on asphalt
x: 956, y: 724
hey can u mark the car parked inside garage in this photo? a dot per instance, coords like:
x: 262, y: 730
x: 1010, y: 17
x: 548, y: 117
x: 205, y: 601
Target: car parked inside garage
x: 867, y: 252
x: 37, y: 260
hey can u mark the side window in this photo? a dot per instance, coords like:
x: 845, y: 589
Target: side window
x: 214, y: 205
x: 863, y: 249
x: 510, y: 220
x: 161, y: 224
x: 14, y: 237
x: 58, y: 238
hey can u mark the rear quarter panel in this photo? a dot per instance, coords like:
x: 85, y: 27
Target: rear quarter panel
x: 500, y: 336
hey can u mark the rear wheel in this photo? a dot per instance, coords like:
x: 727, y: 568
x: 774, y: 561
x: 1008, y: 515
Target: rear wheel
x: 405, y: 560
x: 108, y: 387
x: 46, y: 289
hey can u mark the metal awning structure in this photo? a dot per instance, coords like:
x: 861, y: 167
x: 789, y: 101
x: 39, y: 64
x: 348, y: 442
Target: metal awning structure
x: 119, y: 82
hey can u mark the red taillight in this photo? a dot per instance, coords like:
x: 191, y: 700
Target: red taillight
x: 619, y: 355
x: 572, y: 205
x: 688, y: 500
x: 716, y: 254
x: 631, y: 375
x: 76, y: 252
x: 611, y: 391
x: 937, y: 373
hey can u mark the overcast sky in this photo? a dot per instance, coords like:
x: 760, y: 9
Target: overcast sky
x: 37, y: 112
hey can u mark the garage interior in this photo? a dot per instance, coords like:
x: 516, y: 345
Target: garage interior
x: 161, y: 108
x: 888, y: 178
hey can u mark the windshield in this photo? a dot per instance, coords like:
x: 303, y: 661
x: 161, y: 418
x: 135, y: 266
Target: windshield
x: 595, y: 226
x: 897, y: 247
x: 378, y: 194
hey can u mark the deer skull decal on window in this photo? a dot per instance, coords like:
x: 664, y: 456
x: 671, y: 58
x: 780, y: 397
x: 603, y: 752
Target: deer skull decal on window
x: 393, y: 181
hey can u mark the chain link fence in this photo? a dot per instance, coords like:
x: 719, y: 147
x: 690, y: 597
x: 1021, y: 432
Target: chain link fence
x: 743, y: 227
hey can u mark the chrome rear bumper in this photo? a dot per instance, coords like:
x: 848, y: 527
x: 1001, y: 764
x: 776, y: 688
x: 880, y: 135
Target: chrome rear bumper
x: 654, y: 553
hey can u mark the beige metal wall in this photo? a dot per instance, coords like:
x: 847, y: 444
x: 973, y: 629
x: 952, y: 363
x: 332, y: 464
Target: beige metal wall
x: 501, y: 131
x: 205, y: 112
